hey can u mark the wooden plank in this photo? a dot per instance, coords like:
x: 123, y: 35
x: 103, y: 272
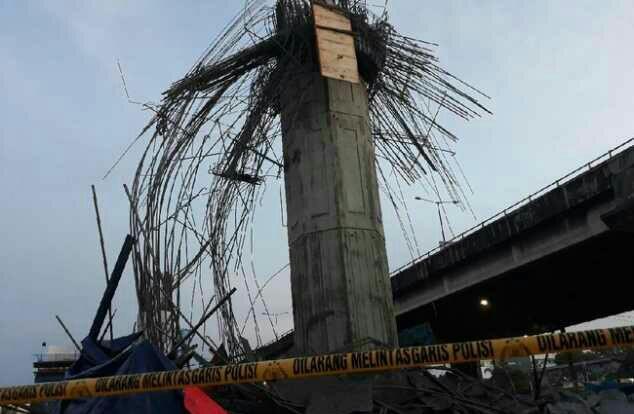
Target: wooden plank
x: 335, y: 50
x: 115, y: 277
x: 325, y: 17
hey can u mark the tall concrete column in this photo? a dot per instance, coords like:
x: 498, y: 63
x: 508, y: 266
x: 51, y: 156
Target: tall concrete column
x: 342, y: 299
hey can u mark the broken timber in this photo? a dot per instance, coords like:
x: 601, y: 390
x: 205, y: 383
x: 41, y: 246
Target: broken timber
x: 115, y: 277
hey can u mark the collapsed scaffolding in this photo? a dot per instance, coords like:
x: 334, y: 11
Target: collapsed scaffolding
x: 215, y: 145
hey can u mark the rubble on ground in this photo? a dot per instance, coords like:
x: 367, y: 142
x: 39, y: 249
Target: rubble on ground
x: 412, y: 392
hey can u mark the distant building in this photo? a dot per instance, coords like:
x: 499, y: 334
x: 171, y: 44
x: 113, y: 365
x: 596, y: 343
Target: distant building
x: 52, y: 364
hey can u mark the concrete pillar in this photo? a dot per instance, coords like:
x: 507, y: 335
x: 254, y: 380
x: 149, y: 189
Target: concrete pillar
x: 342, y: 298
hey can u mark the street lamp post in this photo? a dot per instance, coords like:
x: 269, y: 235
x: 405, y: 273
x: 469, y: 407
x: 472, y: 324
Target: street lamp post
x: 438, y: 204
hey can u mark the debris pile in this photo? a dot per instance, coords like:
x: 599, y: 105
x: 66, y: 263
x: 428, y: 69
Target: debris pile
x: 416, y: 391
x: 604, y: 402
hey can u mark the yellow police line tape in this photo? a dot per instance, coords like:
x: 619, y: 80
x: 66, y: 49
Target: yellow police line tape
x: 322, y: 365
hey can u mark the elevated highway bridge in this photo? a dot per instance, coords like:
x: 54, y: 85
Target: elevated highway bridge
x: 562, y: 256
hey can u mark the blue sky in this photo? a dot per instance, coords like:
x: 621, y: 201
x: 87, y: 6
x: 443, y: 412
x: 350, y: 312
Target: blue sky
x: 559, y: 74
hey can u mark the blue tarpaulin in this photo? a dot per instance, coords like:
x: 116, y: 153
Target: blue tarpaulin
x: 417, y: 336
x: 626, y: 389
x: 122, y: 356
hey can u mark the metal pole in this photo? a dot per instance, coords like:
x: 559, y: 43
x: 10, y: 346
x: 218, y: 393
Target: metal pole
x: 442, y: 227
x: 172, y: 353
x: 103, y: 254
x: 109, y: 326
x: 68, y: 333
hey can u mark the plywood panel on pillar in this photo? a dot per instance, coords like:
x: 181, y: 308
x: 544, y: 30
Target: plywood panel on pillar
x: 327, y: 17
x: 335, y: 45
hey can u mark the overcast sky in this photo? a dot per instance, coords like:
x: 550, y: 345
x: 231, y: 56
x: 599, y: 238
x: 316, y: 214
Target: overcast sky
x: 559, y: 74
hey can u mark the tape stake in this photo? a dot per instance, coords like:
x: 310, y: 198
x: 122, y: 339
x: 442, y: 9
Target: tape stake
x: 367, y: 362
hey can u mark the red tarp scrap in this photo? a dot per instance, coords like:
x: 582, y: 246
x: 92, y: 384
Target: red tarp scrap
x: 197, y: 402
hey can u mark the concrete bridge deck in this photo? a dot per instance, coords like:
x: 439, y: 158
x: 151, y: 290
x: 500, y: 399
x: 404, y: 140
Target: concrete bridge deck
x: 561, y: 256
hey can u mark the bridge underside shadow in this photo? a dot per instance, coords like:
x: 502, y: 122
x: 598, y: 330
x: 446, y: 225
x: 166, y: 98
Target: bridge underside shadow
x: 591, y: 280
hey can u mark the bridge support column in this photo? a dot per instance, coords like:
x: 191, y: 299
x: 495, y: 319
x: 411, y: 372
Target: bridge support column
x: 342, y: 297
